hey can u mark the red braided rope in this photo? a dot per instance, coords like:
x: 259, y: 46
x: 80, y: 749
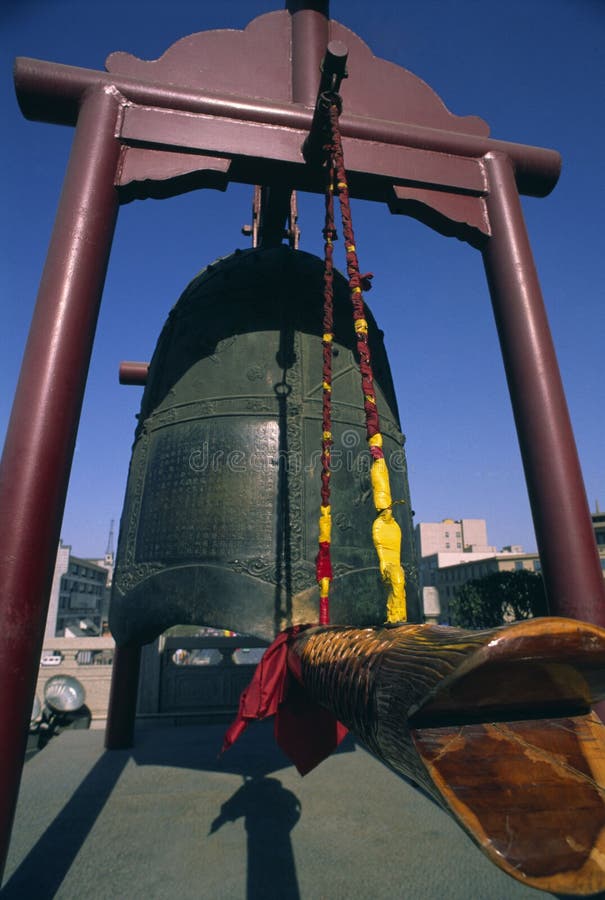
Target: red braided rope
x: 328, y: 328
x: 323, y: 563
x: 386, y: 533
x: 355, y: 285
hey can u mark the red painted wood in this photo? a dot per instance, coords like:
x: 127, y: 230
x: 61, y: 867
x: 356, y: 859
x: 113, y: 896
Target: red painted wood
x: 134, y: 373
x: 249, y: 80
x: 119, y: 733
x: 35, y: 467
x: 51, y: 92
x: 570, y: 561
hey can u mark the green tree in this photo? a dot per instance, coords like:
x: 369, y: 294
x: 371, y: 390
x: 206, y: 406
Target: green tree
x: 499, y: 598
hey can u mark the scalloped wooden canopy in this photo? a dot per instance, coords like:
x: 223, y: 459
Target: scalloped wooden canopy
x: 257, y: 62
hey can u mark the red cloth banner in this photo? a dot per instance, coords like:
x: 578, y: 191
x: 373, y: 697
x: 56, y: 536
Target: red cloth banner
x: 306, y: 732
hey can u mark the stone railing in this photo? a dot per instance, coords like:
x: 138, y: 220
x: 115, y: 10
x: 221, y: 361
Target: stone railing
x: 181, y: 677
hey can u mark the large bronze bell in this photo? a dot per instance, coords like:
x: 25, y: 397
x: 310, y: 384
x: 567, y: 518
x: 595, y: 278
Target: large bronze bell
x: 219, y: 525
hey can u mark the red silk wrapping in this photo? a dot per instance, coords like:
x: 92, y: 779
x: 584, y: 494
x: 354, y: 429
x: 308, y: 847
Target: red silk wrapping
x: 323, y: 564
x: 324, y: 610
x: 306, y: 732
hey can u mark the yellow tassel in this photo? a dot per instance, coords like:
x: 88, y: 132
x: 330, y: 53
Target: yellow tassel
x: 361, y: 326
x: 327, y: 435
x: 386, y: 534
x: 327, y: 338
x: 326, y: 386
x: 375, y: 440
x: 324, y: 587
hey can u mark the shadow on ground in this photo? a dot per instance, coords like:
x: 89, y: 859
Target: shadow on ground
x: 269, y: 811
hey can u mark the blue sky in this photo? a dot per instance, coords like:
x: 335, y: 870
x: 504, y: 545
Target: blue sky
x: 533, y: 69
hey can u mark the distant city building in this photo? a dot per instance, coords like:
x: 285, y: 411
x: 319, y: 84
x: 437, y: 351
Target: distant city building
x: 446, y: 543
x: 454, y: 551
x: 107, y: 563
x: 452, y: 536
x: 61, y: 567
x: 448, y: 576
x: 445, y: 566
x: 78, y: 597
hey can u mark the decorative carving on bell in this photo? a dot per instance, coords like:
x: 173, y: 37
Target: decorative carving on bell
x: 219, y: 525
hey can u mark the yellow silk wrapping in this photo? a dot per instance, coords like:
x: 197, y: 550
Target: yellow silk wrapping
x: 386, y: 535
x: 381, y: 489
x: 325, y: 525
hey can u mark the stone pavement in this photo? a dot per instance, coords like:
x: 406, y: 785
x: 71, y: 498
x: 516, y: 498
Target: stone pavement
x: 170, y: 820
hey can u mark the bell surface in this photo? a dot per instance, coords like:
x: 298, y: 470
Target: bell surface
x: 220, y: 520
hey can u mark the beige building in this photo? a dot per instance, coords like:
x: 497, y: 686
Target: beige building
x: 443, y: 570
x: 443, y: 544
x: 452, y: 536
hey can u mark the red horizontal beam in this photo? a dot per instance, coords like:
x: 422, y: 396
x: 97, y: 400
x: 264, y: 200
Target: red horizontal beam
x: 51, y: 92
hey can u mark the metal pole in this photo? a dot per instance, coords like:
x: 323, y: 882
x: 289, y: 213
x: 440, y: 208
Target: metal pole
x: 35, y: 468
x: 570, y: 562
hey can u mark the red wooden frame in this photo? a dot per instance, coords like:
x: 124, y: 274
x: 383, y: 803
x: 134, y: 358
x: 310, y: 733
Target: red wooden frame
x: 158, y: 128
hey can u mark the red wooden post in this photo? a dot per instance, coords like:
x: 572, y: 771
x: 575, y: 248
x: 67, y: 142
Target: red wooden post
x: 35, y: 467
x: 310, y: 35
x: 570, y: 562
x: 122, y: 709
